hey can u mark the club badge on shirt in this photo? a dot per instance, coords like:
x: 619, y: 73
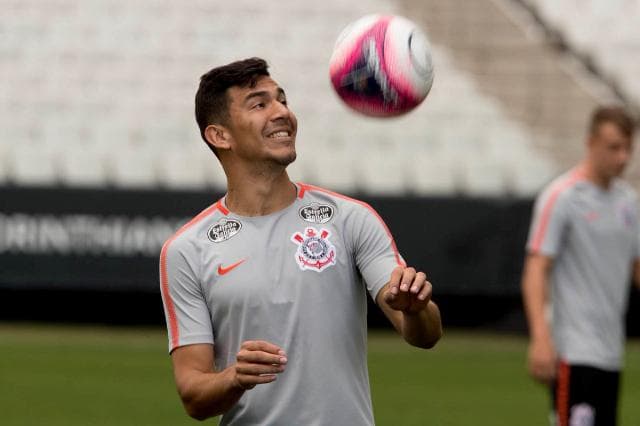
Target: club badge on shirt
x: 315, y: 251
x: 627, y: 215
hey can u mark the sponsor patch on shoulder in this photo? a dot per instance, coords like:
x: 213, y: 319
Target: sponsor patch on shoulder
x: 315, y: 251
x: 223, y: 230
x: 316, y: 213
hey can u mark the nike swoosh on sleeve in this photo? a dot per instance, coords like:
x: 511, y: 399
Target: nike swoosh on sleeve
x: 222, y: 270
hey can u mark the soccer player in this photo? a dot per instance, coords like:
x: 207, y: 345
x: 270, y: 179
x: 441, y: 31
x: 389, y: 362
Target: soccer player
x: 583, y: 252
x: 265, y: 291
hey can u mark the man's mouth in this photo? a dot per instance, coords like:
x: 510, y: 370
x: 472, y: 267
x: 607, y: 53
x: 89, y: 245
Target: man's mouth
x: 279, y: 134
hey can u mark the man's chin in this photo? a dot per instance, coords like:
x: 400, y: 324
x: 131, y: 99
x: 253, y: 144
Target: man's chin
x: 618, y: 173
x: 286, y: 159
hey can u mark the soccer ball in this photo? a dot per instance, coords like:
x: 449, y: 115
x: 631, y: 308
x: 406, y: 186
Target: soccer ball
x: 381, y: 65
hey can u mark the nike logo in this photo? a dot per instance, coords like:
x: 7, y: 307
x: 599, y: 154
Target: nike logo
x: 592, y: 216
x: 222, y: 270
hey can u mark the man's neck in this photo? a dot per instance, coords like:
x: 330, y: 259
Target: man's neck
x: 592, y: 175
x: 259, y: 194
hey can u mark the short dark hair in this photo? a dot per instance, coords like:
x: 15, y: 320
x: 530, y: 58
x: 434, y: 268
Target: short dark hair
x: 616, y: 115
x: 212, y: 102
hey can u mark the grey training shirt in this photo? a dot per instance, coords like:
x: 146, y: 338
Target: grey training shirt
x: 592, y: 235
x: 293, y: 278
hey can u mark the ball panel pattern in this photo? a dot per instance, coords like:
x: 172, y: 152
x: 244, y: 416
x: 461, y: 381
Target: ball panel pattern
x: 381, y: 66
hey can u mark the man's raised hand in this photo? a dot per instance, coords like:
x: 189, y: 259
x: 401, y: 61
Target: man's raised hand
x: 408, y: 291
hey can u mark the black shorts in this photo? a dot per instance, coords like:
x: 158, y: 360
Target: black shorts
x: 585, y: 396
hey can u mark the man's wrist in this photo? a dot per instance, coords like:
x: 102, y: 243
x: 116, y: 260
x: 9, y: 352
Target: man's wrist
x: 235, y: 384
x: 415, y: 314
x: 542, y: 340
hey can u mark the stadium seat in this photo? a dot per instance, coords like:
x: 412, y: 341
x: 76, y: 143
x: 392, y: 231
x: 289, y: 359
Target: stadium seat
x: 433, y: 171
x: 182, y: 167
x: 333, y: 167
x: 83, y: 166
x: 528, y: 176
x: 133, y: 166
x: 4, y: 163
x: 213, y: 173
x: 383, y: 169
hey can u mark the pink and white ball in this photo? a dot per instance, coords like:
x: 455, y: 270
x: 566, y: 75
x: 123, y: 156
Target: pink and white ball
x: 381, y: 65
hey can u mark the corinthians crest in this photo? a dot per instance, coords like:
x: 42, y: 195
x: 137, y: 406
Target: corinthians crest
x: 315, y: 251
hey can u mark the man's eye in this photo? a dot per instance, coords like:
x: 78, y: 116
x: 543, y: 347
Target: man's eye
x: 259, y: 105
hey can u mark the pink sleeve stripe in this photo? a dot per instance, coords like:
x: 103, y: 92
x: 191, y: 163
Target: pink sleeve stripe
x: 305, y: 187
x: 164, y: 276
x: 543, y: 223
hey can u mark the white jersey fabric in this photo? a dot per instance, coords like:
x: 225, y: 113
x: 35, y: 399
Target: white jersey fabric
x: 297, y: 278
x: 592, y: 235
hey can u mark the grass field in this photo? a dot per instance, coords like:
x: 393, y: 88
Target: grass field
x: 105, y: 376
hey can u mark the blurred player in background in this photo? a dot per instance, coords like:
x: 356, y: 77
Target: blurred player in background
x: 583, y: 249
x: 265, y: 291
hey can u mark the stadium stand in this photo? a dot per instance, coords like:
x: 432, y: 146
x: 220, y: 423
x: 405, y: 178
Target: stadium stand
x: 613, y: 51
x: 93, y: 98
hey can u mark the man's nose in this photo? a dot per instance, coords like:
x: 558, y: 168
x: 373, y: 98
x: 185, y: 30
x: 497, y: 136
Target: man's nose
x: 280, y: 111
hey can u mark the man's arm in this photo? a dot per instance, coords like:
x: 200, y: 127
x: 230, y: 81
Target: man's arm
x: 542, y: 357
x: 406, y: 301
x: 206, y: 393
x: 636, y: 273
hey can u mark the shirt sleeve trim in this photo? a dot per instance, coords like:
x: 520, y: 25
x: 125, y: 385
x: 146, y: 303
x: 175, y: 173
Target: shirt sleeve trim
x: 172, y: 321
x: 195, y: 339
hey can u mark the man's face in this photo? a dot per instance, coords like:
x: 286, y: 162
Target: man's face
x: 609, y: 150
x: 261, y: 125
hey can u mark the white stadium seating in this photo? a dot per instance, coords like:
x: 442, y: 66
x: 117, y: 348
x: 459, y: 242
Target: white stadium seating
x: 100, y: 93
x: 605, y: 31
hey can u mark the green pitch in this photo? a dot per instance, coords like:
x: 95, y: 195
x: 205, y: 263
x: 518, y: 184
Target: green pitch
x: 102, y: 376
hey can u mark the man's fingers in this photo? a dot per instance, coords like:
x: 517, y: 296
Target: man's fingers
x: 249, y: 381
x: 549, y: 374
x: 543, y: 375
x: 389, y: 298
x: 408, y: 276
x: 258, y: 362
x: 425, y: 291
x: 262, y: 345
x: 418, y: 282
x: 258, y: 369
x: 261, y: 352
x: 544, y: 371
x: 538, y: 373
x: 408, y: 291
x: 394, y: 281
x: 260, y: 357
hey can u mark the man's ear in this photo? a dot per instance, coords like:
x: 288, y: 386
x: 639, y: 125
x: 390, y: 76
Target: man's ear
x: 217, y: 136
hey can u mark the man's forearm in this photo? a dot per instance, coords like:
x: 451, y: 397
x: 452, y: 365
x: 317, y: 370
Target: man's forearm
x: 534, y: 301
x: 636, y: 273
x: 424, y: 328
x: 207, y: 395
x: 534, y: 292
